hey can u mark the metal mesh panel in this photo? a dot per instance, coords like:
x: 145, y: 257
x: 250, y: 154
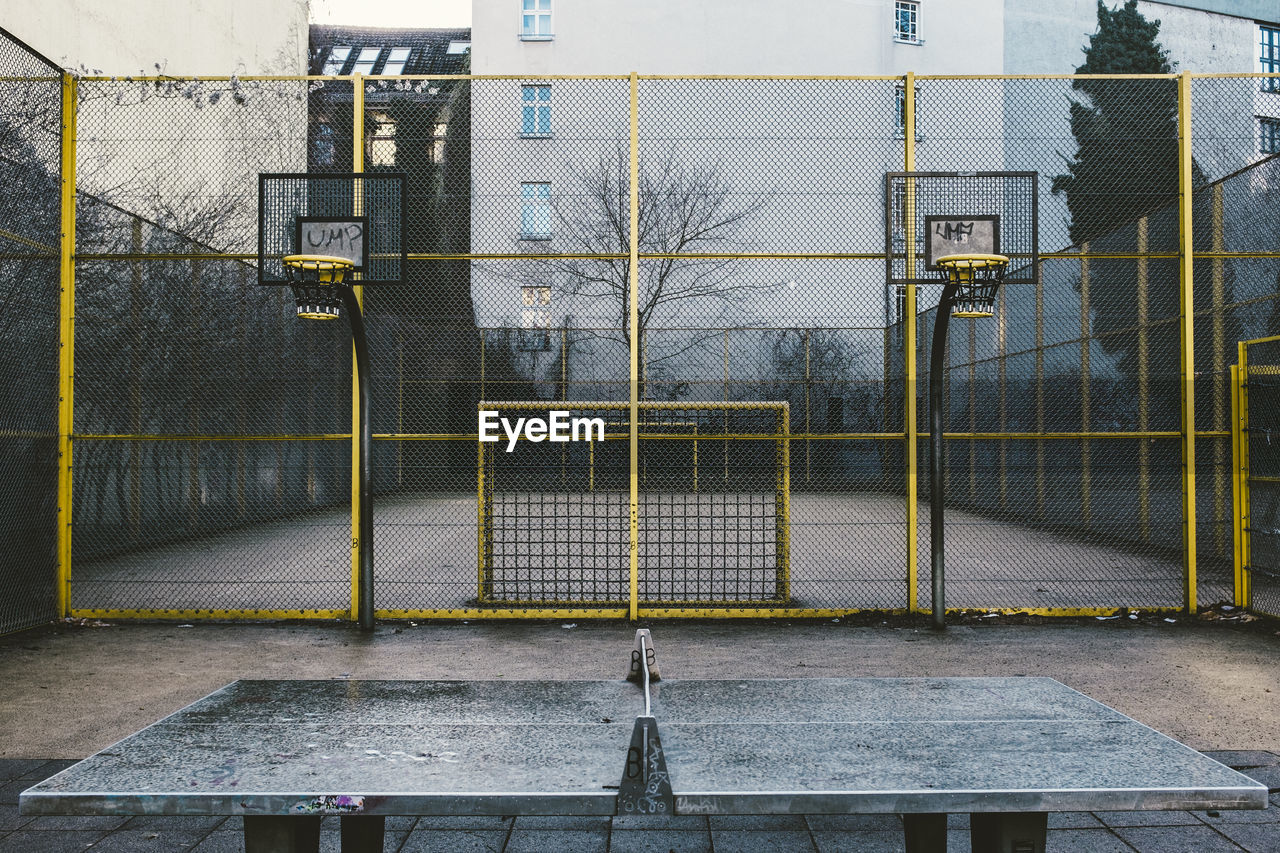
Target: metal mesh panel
x: 204, y: 411
x: 1089, y: 515
x: 805, y: 174
x: 212, y: 463
x: 30, y: 141
x: 1263, y: 476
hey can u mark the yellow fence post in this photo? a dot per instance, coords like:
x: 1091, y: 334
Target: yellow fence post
x: 1237, y: 492
x: 1187, y: 325
x: 633, y: 323
x: 357, y: 165
x: 973, y: 409
x: 66, y: 334
x: 910, y: 427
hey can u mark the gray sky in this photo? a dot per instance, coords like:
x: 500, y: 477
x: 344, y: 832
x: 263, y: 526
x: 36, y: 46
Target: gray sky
x: 392, y: 13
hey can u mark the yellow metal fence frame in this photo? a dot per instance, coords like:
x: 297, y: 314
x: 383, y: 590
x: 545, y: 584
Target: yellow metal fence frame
x: 1187, y: 434
x: 1242, y: 474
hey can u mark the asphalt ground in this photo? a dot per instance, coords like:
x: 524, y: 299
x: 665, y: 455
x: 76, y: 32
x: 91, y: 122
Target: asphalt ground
x: 71, y: 689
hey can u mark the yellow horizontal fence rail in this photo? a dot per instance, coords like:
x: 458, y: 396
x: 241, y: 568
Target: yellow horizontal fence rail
x: 159, y: 613
x: 89, y: 436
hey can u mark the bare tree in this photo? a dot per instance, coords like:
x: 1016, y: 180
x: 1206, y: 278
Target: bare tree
x: 687, y: 212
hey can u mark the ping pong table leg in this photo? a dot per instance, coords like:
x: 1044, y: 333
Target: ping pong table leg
x: 925, y: 833
x: 363, y: 833
x: 281, y: 834
x: 997, y: 832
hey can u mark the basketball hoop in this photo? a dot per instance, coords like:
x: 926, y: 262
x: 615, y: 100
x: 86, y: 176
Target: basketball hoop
x: 976, y: 278
x: 314, y: 280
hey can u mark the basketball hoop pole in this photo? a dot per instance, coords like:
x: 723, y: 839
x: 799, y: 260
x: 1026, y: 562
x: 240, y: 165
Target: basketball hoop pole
x: 965, y: 289
x: 318, y: 287
x: 364, y: 548
x: 936, y: 455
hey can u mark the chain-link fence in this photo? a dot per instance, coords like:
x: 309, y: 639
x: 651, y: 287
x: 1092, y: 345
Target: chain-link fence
x: 729, y: 252
x: 30, y: 228
x: 1257, y: 461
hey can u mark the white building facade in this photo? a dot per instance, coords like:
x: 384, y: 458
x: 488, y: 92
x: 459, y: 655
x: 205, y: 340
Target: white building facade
x: 834, y: 140
x: 212, y: 37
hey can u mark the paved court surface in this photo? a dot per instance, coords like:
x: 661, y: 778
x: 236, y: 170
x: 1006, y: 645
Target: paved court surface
x: 1069, y: 832
x: 71, y: 690
x: 847, y: 551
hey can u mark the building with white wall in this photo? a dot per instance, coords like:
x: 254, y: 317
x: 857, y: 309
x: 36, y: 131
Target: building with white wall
x: 830, y: 138
x: 209, y: 37
x: 183, y: 154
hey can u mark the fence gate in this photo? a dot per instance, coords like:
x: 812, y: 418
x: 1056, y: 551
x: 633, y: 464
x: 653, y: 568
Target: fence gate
x: 1257, y: 456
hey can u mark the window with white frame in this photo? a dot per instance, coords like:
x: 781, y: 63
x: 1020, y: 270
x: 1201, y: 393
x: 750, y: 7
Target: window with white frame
x: 396, y: 61
x: 906, y: 22
x: 535, y: 211
x: 1269, y: 135
x: 535, y: 317
x: 900, y: 110
x: 899, y: 208
x: 366, y: 60
x: 535, y: 110
x: 382, y: 141
x: 1269, y: 57
x: 337, y: 59
x: 535, y: 20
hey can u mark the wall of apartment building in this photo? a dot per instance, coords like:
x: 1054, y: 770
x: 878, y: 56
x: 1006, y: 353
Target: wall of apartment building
x: 206, y: 37
x: 1049, y: 37
x: 724, y: 37
x: 804, y: 149
x: 141, y: 142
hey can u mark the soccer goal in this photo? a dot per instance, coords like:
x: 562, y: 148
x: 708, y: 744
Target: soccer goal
x: 713, y: 516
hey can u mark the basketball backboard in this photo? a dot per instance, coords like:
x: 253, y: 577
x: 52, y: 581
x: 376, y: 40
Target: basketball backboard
x: 360, y: 217
x: 959, y: 235
x: 929, y: 215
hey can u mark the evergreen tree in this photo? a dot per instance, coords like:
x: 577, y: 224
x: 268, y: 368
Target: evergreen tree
x: 1126, y: 131
x: 1122, y: 181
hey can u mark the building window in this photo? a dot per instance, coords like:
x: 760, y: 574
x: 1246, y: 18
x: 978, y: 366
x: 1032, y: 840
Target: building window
x: 439, y: 136
x: 459, y: 47
x: 535, y: 20
x: 1269, y: 57
x: 396, y: 61
x: 365, y: 62
x: 337, y: 58
x: 906, y: 22
x: 382, y: 142
x: 535, y: 211
x: 535, y: 318
x: 899, y: 207
x: 1269, y: 135
x: 535, y: 110
x: 900, y: 110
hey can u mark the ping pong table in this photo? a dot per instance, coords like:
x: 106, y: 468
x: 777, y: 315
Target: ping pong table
x: 284, y: 754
